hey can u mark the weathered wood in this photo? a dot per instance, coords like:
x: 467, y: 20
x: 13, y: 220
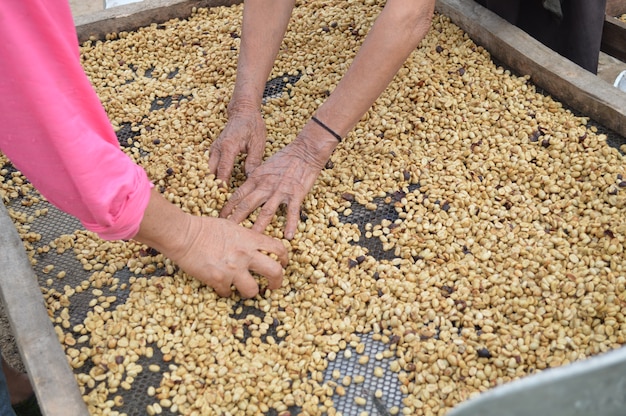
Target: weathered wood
x: 133, y: 16
x: 42, y: 355
x: 566, y: 81
x: 614, y: 38
x: 615, y: 7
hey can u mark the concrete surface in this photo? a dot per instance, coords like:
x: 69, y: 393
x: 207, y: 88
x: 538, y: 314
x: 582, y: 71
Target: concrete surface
x: 83, y: 7
x: 609, y: 67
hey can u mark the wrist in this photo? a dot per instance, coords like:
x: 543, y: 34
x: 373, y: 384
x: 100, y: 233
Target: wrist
x: 326, y: 128
x: 242, y: 106
x: 247, y: 97
x: 317, y: 142
x: 164, y: 226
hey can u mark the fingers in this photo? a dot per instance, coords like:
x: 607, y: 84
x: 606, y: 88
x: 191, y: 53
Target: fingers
x: 221, y: 162
x: 293, y: 215
x: 214, y: 158
x: 220, y: 254
x: 260, y: 263
x: 228, y: 208
x: 272, y: 245
x: 272, y: 270
x: 230, y: 205
x: 225, y: 167
x: 266, y: 214
x: 243, y: 201
x: 241, y: 205
x: 222, y: 286
x: 246, y: 285
x: 266, y: 244
x: 254, y: 159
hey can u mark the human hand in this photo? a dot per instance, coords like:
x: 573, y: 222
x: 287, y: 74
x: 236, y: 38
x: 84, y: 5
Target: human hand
x: 285, y: 178
x: 221, y: 253
x: 244, y: 133
x: 215, y: 251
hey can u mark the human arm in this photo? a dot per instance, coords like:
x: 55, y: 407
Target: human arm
x: 263, y: 28
x: 215, y: 251
x: 287, y: 176
x: 57, y: 134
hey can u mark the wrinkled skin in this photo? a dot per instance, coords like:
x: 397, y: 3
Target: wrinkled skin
x: 215, y: 251
x: 221, y: 254
x: 285, y: 178
x: 245, y: 132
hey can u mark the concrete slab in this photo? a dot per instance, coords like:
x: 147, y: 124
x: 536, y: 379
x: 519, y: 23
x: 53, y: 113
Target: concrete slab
x: 116, y: 3
x: 86, y: 7
x: 609, y: 67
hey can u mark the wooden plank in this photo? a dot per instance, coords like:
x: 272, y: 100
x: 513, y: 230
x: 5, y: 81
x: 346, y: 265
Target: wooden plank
x: 45, y: 361
x: 135, y: 15
x: 614, y: 38
x: 566, y: 81
x: 615, y: 7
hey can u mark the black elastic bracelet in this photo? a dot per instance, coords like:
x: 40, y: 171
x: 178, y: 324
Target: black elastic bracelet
x: 328, y: 129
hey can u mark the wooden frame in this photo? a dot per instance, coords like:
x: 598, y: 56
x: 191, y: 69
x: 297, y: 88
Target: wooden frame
x: 45, y: 361
x: 614, y: 36
x: 23, y: 301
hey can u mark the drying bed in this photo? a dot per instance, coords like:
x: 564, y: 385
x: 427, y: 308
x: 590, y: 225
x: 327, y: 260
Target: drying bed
x: 467, y: 233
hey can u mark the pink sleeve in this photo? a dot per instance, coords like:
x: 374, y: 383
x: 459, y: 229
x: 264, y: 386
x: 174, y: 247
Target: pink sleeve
x: 54, y: 128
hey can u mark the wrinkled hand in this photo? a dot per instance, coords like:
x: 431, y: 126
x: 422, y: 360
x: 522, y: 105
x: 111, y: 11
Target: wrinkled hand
x: 221, y: 253
x: 244, y: 133
x: 285, y: 178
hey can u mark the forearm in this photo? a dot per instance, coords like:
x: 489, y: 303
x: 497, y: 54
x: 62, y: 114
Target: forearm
x: 396, y: 33
x: 264, y: 25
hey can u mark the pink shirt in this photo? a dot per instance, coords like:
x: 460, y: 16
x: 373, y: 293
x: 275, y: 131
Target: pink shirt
x: 53, y: 127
